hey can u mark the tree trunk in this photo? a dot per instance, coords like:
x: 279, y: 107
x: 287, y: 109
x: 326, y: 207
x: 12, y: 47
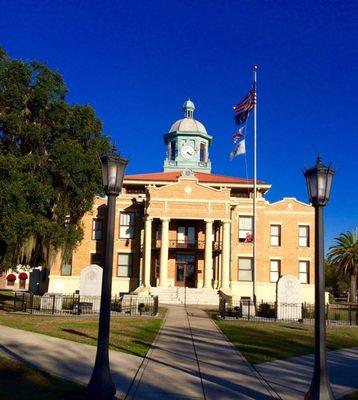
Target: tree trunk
x: 353, y: 289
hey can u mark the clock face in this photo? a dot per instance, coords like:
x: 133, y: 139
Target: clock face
x: 187, y: 151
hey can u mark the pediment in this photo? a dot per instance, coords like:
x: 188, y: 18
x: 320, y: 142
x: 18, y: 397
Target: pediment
x: 188, y: 188
x: 289, y: 204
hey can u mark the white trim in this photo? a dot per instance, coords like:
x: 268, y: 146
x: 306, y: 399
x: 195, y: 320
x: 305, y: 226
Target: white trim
x: 292, y: 199
x: 289, y: 212
x: 209, y: 184
x: 275, y: 258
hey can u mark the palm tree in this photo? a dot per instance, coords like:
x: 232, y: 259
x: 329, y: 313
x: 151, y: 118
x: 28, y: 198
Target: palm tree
x: 344, y: 257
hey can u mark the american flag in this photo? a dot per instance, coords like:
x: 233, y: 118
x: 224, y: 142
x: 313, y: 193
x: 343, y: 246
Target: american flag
x: 242, y: 109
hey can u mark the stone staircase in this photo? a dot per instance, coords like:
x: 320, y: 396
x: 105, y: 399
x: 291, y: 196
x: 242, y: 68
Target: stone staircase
x: 181, y: 295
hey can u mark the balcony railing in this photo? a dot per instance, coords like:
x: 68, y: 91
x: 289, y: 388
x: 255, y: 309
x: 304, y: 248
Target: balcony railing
x: 189, y: 244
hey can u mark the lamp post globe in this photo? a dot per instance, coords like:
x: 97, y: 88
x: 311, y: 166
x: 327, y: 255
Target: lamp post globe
x: 319, y: 182
x: 101, y: 386
x: 113, y: 168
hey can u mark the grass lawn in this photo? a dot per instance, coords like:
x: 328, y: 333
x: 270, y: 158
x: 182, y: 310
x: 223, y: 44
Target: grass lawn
x: 261, y: 342
x: 132, y: 335
x: 19, y: 382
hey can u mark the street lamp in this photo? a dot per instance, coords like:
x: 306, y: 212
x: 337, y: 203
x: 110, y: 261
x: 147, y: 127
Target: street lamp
x: 319, y: 181
x: 101, y: 386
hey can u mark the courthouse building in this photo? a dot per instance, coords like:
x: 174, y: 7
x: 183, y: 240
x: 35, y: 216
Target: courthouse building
x: 187, y: 227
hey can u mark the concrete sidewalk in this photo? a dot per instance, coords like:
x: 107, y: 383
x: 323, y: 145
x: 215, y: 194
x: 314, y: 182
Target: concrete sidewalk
x: 291, y: 377
x: 192, y: 359
x: 64, y: 358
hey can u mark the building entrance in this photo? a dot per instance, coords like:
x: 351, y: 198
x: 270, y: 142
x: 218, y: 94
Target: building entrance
x: 185, y: 274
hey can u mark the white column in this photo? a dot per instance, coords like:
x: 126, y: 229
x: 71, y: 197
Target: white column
x: 147, y: 250
x: 225, y: 256
x: 208, y: 266
x: 164, y: 253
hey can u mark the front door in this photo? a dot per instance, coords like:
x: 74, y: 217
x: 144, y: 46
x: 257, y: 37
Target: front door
x: 185, y: 274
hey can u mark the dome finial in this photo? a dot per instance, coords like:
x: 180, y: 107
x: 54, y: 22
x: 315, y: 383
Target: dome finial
x: 188, y: 108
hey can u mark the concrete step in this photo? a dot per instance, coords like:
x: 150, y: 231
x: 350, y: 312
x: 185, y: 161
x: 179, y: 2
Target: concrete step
x: 179, y: 295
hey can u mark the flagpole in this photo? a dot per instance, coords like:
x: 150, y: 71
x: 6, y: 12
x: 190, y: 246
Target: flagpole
x: 254, y: 69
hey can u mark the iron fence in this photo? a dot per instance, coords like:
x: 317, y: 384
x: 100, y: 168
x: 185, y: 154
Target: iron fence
x: 75, y: 304
x: 336, y: 314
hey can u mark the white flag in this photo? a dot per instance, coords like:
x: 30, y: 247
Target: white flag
x: 239, y: 148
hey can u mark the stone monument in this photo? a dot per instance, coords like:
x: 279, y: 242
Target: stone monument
x: 289, y: 303
x: 51, y: 302
x: 91, y: 285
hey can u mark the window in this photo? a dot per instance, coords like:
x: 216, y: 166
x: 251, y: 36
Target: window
x: 275, y: 270
x: 126, y: 230
x: 186, y: 235
x: 97, y: 225
x: 96, y: 258
x: 303, y: 235
x: 66, y: 267
x: 275, y: 235
x: 245, y: 269
x: 304, y: 271
x: 173, y: 150
x: 245, y: 229
x: 22, y: 284
x: 202, y: 152
x: 10, y: 283
x: 125, y: 264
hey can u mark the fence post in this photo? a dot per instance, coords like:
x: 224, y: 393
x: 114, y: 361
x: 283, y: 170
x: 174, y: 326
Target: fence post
x: 249, y: 308
x: 327, y: 311
x: 130, y: 305
x: 78, y: 305
x: 23, y: 308
x: 155, y: 305
x: 31, y: 302
x: 53, y: 304
x: 356, y: 314
x: 15, y: 301
x: 350, y: 314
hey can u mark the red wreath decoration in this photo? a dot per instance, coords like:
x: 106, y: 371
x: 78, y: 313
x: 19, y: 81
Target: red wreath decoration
x: 249, y: 238
x: 23, y: 275
x: 11, y: 277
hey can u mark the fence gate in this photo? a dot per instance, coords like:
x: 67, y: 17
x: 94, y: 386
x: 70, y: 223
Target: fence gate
x: 22, y: 301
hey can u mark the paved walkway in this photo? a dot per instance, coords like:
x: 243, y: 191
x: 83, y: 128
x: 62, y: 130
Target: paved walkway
x: 192, y: 359
x: 291, y: 377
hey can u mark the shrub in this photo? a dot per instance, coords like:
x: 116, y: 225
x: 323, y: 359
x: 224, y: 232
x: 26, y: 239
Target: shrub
x: 266, y: 310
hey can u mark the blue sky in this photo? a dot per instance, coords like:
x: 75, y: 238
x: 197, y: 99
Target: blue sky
x: 136, y: 63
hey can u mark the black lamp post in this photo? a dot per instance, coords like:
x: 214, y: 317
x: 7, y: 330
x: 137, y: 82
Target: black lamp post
x: 101, y: 386
x: 319, y: 182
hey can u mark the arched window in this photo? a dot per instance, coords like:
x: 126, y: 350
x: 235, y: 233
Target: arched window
x: 202, y: 152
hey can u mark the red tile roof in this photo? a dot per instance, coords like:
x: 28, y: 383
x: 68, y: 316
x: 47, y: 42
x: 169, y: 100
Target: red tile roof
x: 174, y: 175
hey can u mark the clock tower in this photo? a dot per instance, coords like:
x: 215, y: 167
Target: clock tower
x: 187, y: 144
